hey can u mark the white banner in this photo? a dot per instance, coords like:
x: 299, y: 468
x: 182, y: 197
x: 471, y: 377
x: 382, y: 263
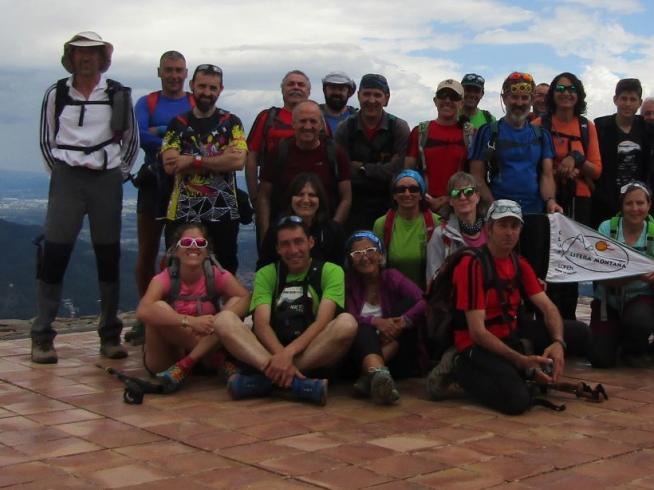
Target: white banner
x: 579, y: 253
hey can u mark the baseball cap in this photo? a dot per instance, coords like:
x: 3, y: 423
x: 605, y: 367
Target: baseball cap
x: 504, y: 208
x: 452, y: 85
x: 472, y: 79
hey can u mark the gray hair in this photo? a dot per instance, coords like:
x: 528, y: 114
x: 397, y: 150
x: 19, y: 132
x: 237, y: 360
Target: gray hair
x: 296, y: 72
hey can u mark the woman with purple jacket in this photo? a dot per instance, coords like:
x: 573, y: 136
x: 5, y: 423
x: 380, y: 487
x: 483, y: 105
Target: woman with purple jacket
x: 389, y: 307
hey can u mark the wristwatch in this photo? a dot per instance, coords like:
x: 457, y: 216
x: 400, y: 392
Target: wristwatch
x: 185, y: 323
x: 578, y: 158
x: 197, y: 161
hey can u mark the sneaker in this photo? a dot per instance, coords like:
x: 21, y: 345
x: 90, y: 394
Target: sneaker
x: 112, y: 349
x: 382, y: 387
x: 362, y: 385
x: 136, y: 335
x: 310, y: 389
x: 172, y: 378
x: 440, y: 381
x: 43, y: 352
x: 241, y: 386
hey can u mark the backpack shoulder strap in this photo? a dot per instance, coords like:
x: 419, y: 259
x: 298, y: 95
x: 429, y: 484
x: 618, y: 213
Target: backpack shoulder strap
x: 423, y: 135
x: 487, y: 116
x: 210, y: 281
x: 429, y: 223
x: 583, y: 133
x: 388, y: 228
x: 332, y: 157
x: 613, y: 226
x: 546, y: 122
x: 62, y: 99
x: 151, y: 100
x: 314, y: 276
x: 175, y: 282
x: 650, y: 236
x: 191, y: 99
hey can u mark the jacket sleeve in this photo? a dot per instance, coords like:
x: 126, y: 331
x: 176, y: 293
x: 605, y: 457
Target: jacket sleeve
x: 403, y: 287
x: 130, y: 143
x: 47, y: 136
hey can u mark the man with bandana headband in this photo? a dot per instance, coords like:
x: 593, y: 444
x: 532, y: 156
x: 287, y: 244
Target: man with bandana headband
x: 510, y: 158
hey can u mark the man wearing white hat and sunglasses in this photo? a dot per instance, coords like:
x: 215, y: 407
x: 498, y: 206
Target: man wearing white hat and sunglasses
x: 89, y: 143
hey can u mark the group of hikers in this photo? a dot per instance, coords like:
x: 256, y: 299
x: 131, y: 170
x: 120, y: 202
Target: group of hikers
x: 383, y: 252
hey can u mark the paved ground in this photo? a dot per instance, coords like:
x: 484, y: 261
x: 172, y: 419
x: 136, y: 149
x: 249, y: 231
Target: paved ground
x: 66, y: 426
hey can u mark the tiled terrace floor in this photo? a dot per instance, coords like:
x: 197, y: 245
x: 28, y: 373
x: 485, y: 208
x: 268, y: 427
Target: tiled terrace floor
x: 66, y: 426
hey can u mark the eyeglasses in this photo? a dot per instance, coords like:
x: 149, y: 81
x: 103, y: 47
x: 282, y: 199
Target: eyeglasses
x: 366, y: 252
x: 449, y: 95
x: 560, y: 88
x: 290, y: 219
x: 473, y: 78
x: 634, y: 185
x: 400, y: 189
x: 208, y: 68
x: 517, y: 75
x: 466, y: 191
x: 188, y: 242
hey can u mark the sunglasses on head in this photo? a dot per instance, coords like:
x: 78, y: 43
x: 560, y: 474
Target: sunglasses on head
x: 517, y: 75
x: 188, y: 242
x: 506, y: 209
x: 366, y: 252
x: 560, y: 88
x: 468, y: 191
x: 289, y: 219
x: 208, y: 68
x: 400, y: 189
x: 634, y: 185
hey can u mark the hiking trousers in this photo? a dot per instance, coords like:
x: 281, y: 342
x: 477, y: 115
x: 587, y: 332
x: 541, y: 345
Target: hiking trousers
x: 76, y: 192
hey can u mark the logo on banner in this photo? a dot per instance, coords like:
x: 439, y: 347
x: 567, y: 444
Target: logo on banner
x: 592, y: 253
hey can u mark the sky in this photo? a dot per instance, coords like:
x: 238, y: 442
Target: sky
x: 413, y: 43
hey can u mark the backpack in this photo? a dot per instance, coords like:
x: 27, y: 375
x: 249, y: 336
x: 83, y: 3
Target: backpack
x: 427, y: 216
x: 211, y: 296
x: 153, y: 98
x: 487, y: 116
x: 267, y: 126
x: 546, y: 122
x: 441, y: 296
x: 290, y: 320
x: 119, y: 100
x: 493, y: 164
x: 423, y: 138
x: 613, y: 231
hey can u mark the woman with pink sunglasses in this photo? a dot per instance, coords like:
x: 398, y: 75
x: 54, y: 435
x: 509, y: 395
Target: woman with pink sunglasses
x: 181, y: 306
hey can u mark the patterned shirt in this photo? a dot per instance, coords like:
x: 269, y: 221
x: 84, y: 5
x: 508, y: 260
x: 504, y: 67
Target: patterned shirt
x: 204, y: 195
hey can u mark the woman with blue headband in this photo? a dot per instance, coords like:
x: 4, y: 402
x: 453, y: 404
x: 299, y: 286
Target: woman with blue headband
x: 389, y: 309
x: 407, y: 227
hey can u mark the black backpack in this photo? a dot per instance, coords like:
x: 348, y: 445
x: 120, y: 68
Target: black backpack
x: 119, y: 100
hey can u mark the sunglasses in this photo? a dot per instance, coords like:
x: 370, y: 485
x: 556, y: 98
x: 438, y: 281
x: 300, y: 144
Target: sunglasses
x: 560, y: 88
x: 506, y: 209
x: 290, y: 219
x: 366, y: 252
x: 188, y: 242
x: 634, y: 185
x: 400, y: 189
x: 208, y: 68
x: 466, y: 191
x: 471, y: 77
x: 448, y: 95
x: 517, y: 75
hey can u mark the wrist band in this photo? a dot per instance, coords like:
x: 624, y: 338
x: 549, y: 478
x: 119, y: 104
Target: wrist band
x: 562, y: 343
x: 578, y: 158
x: 197, y: 161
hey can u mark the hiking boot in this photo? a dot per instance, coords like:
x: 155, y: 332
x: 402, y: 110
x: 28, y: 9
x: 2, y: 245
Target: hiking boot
x: 382, y: 387
x: 440, y: 381
x: 172, y: 378
x: 241, y: 386
x: 310, y: 389
x: 136, y: 335
x: 43, y: 352
x: 112, y: 349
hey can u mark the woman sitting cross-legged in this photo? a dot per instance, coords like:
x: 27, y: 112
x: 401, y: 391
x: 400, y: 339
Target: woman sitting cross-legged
x: 389, y: 309
x: 179, y: 308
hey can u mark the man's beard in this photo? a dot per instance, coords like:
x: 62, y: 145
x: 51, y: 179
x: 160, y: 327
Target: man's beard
x: 335, y: 103
x: 205, y: 105
x: 519, y: 116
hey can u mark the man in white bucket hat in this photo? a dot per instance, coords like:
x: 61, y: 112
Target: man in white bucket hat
x: 89, y: 143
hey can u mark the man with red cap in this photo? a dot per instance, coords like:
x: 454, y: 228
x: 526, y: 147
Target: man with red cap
x: 89, y: 143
